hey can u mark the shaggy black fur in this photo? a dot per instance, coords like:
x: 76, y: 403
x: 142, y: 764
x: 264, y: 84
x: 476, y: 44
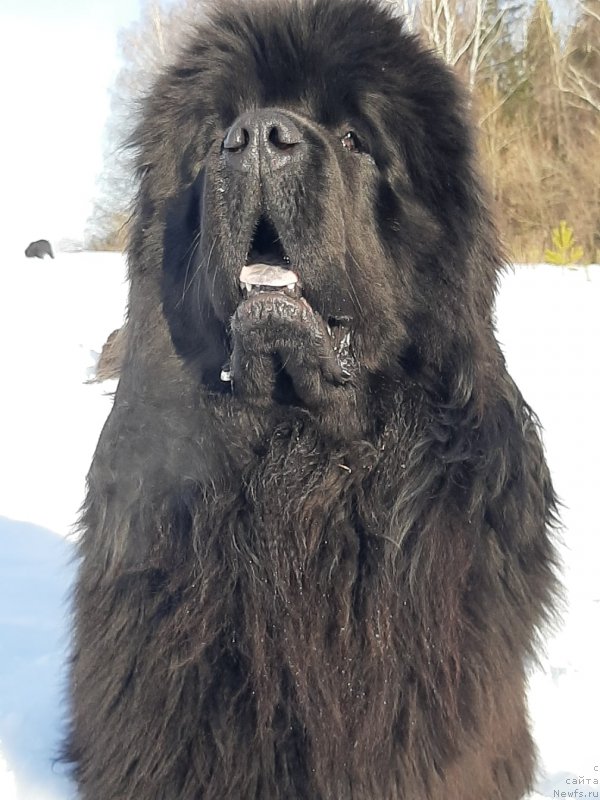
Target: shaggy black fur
x: 324, y: 580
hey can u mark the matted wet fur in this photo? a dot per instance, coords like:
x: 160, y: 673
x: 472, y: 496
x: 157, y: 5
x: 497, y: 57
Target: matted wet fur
x: 316, y: 547
x: 111, y: 357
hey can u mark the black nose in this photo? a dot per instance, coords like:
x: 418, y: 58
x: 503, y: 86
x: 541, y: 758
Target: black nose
x: 265, y: 135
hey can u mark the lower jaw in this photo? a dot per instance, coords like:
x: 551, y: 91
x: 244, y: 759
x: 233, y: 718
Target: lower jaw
x: 274, y: 308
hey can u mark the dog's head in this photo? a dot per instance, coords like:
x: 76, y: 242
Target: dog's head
x: 306, y: 182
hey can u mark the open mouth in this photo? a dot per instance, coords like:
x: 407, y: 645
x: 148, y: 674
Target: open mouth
x: 266, y: 245
x: 271, y: 290
x: 267, y: 267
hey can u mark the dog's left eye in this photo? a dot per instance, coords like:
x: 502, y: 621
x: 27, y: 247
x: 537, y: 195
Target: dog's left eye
x: 351, y: 142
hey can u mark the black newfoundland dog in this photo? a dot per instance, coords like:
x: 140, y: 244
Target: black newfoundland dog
x: 316, y: 548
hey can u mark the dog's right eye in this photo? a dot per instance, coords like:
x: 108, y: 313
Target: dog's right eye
x: 351, y: 142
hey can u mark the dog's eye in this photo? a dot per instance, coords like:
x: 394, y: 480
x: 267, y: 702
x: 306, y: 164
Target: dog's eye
x: 351, y: 142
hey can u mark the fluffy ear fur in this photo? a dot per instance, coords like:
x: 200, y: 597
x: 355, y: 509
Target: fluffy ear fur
x: 280, y: 600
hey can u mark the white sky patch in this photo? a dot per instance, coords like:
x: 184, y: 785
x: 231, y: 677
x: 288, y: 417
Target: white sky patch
x: 57, y: 68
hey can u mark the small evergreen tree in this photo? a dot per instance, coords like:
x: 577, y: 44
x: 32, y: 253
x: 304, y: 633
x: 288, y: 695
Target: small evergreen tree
x: 564, y: 251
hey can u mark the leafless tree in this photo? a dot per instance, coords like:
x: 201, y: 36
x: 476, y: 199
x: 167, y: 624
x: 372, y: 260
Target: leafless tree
x: 462, y: 31
x: 580, y: 78
x: 406, y: 9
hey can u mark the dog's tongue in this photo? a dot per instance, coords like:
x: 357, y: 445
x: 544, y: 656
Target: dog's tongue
x: 267, y: 275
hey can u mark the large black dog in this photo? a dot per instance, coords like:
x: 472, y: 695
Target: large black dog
x: 316, y: 547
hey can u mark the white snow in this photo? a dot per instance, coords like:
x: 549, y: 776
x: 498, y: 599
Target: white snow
x: 549, y: 324
x: 54, y: 315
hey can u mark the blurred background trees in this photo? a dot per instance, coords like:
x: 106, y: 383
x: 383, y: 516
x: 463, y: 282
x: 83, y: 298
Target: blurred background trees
x: 534, y: 84
x: 145, y: 46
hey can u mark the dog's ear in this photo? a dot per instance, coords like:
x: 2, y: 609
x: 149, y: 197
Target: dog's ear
x: 168, y: 256
x: 196, y: 332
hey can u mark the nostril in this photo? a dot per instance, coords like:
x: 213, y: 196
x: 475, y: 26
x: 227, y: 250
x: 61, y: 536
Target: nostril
x: 237, y: 139
x: 263, y: 136
x: 281, y: 139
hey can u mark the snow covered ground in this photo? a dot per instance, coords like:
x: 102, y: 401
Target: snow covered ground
x: 53, y: 315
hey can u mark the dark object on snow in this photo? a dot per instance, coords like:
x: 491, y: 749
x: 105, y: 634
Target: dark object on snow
x: 111, y: 357
x: 39, y: 249
x: 316, y: 550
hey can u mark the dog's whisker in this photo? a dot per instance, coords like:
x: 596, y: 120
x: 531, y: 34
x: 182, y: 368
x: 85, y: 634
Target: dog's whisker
x: 191, y: 253
x: 352, y: 288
